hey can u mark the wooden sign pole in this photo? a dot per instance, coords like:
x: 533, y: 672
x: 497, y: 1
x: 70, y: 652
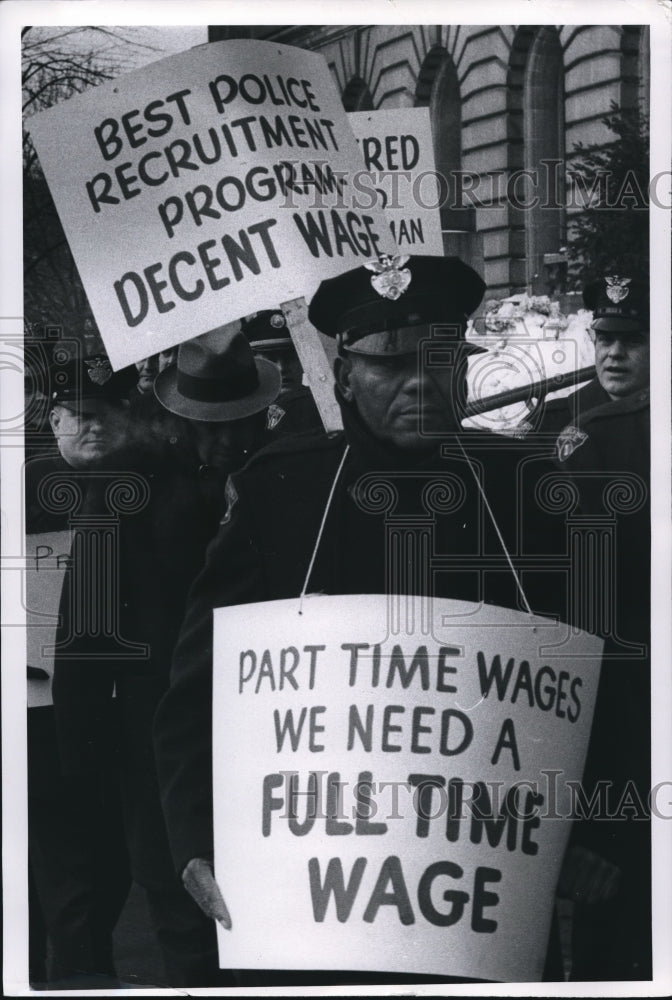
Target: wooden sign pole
x: 314, y: 362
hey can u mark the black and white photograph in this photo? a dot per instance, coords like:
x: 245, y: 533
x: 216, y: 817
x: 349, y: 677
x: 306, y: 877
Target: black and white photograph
x: 336, y: 538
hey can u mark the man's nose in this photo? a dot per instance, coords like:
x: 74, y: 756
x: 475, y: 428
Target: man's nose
x: 416, y: 376
x: 616, y: 349
x: 96, y: 424
x: 428, y: 383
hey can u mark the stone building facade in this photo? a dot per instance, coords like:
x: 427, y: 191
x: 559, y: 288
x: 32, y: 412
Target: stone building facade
x: 507, y: 103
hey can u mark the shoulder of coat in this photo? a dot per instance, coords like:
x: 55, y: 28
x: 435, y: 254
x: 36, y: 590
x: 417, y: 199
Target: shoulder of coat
x: 300, y: 446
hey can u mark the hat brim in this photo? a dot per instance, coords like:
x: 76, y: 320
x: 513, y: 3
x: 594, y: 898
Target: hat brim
x: 73, y: 401
x: 392, y: 343
x: 275, y: 345
x: 167, y: 393
x: 617, y: 324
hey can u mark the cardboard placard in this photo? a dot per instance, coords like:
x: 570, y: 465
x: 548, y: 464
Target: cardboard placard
x: 47, y: 557
x: 398, y: 152
x: 204, y: 187
x: 387, y: 801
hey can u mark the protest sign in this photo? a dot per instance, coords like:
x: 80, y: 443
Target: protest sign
x: 399, y: 154
x: 47, y: 557
x: 204, y: 187
x: 394, y: 802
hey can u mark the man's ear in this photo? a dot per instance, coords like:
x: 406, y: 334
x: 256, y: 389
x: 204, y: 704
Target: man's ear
x: 342, y: 374
x: 55, y: 420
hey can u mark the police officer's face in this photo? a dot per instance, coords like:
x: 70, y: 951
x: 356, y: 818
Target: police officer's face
x: 289, y: 366
x: 401, y: 402
x: 622, y: 362
x: 88, y: 432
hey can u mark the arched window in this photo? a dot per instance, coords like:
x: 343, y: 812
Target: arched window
x: 357, y: 96
x: 438, y: 88
x: 538, y: 195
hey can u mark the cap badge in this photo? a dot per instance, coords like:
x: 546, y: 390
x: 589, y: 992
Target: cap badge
x: 99, y: 370
x: 391, y: 278
x: 277, y: 321
x: 569, y: 440
x: 274, y: 415
x: 617, y: 288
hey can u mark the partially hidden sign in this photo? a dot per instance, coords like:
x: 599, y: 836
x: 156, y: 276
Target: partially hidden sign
x: 47, y: 558
x: 394, y: 802
x: 398, y: 154
x: 204, y: 187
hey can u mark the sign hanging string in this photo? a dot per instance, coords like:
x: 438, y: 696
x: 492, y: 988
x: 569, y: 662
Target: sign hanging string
x: 496, y: 526
x: 324, y: 521
x: 483, y: 497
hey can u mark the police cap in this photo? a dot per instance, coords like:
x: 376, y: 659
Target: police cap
x: 267, y: 331
x: 619, y: 304
x: 76, y: 379
x: 377, y: 308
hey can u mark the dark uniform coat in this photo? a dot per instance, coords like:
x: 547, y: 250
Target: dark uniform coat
x: 606, y: 454
x: 78, y: 859
x: 558, y: 413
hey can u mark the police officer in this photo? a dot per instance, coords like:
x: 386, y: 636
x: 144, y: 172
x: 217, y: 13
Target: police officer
x: 605, y: 452
x: 610, y: 430
x: 76, y: 845
x: 400, y: 380
x: 221, y: 392
x: 608, y: 445
x: 295, y: 410
x: 620, y: 328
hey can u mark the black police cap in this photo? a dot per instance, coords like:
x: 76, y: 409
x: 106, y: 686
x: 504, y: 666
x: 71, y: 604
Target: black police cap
x: 76, y: 379
x: 267, y: 331
x: 619, y: 304
x: 393, y: 295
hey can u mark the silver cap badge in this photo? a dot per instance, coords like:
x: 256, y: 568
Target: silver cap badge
x: 569, y: 440
x: 99, y: 370
x: 391, y: 278
x: 617, y: 288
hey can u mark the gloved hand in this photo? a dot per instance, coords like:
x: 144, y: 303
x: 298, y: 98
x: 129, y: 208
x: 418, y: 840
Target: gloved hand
x: 585, y: 877
x: 198, y: 879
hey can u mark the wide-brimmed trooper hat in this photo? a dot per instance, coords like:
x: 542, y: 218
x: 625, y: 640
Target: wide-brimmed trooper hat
x: 218, y: 378
x: 383, y: 307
